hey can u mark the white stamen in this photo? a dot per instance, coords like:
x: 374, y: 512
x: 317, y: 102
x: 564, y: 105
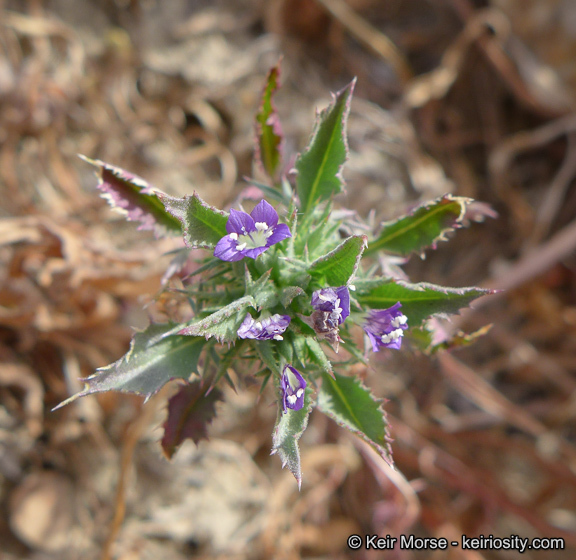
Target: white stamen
x: 261, y: 226
x: 234, y: 236
x: 398, y: 321
x: 291, y: 399
x: 352, y: 287
x: 278, y: 337
x: 323, y: 298
x: 240, y: 247
x: 299, y: 393
x: 392, y: 336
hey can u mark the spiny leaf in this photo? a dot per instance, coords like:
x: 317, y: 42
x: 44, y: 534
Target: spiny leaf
x: 190, y: 411
x: 419, y: 301
x: 135, y: 198
x: 290, y: 426
x: 266, y: 354
x: 289, y: 293
x: 422, y: 228
x: 262, y: 290
x: 339, y: 265
x: 223, y: 324
x: 317, y: 355
x: 202, y: 224
x: 319, y: 167
x: 350, y: 404
x: 268, y: 129
x: 155, y: 357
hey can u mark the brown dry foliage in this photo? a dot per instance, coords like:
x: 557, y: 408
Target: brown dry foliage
x: 470, y: 97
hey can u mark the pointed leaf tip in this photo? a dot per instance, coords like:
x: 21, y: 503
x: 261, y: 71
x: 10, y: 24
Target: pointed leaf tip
x: 319, y: 166
x: 422, y: 228
x: 137, y: 199
x: 190, y: 411
x: 269, y: 135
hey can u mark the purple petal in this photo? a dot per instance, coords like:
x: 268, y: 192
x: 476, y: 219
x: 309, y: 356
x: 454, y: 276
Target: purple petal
x: 246, y: 329
x: 281, y: 231
x: 376, y: 342
x: 293, y: 388
x: 253, y: 253
x: 240, y: 223
x: 225, y: 250
x: 325, y: 300
x: 275, y: 325
x: 264, y: 212
x: 385, y: 327
x: 344, y: 296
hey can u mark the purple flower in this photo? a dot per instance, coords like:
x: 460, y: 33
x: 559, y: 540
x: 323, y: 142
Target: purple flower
x: 293, y: 386
x: 270, y: 327
x: 250, y: 235
x: 385, y: 327
x: 335, y: 301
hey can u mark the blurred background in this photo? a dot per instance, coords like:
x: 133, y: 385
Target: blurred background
x: 472, y: 97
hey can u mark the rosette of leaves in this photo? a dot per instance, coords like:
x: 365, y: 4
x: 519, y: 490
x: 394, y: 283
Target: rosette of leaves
x: 247, y: 292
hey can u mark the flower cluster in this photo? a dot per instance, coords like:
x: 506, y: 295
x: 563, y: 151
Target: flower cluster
x: 385, y: 327
x: 267, y: 328
x: 249, y: 235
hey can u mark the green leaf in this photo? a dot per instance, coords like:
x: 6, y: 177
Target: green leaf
x: 320, y: 166
x: 419, y: 301
x: 270, y: 192
x: 154, y: 358
x: 290, y: 426
x: 339, y: 265
x: 322, y: 235
x: 268, y: 129
x: 289, y: 293
x: 266, y: 354
x: 422, y: 228
x: 135, y: 198
x: 262, y: 290
x: 202, y: 224
x: 223, y: 324
x: 351, y: 405
x: 190, y: 411
x: 317, y: 355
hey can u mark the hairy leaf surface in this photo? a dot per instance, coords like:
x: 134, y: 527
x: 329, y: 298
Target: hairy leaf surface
x: 422, y: 228
x: 419, y: 301
x: 155, y: 357
x: 350, y: 404
x: 320, y: 166
x: 202, y: 224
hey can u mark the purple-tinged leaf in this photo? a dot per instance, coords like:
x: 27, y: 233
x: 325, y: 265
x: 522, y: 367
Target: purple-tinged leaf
x: 268, y: 129
x: 202, y: 224
x: 351, y: 405
x: 419, y: 301
x: 155, y: 357
x: 339, y: 265
x: 190, y: 411
x: 320, y: 166
x: 423, y: 228
x: 135, y: 198
x: 435, y: 335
